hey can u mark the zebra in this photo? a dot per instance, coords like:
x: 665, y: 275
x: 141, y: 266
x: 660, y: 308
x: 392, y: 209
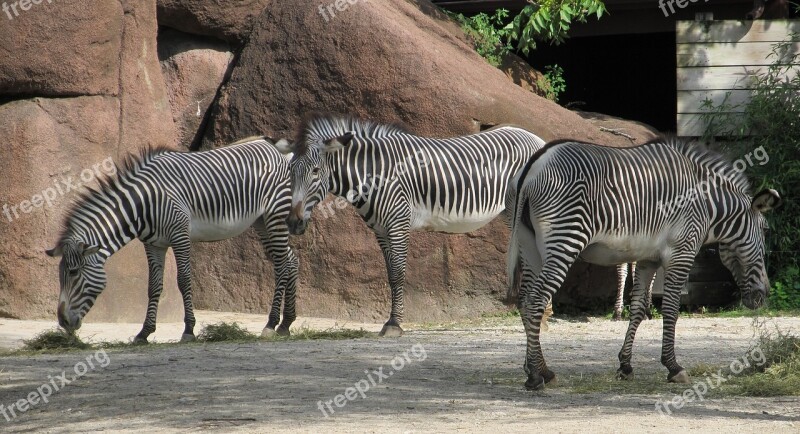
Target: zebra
x: 172, y: 199
x: 622, y: 276
x: 401, y: 182
x: 657, y: 204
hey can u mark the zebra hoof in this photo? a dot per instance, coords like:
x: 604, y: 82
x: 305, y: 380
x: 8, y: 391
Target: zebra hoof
x: 186, y: 337
x: 535, y: 382
x: 391, y: 331
x: 268, y: 332
x: 625, y: 373
x: 138, y: 340
x: 283, y: 331
x: 681, y: 377
x: 617, y: 317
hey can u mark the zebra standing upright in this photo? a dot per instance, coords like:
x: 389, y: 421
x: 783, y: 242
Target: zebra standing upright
x: 401, y: 182
x: 656, y: 204
x: 171, y: 199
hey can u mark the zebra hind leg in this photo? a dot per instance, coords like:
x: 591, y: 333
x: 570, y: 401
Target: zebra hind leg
x: 155, y: 284
x: 180, y: 248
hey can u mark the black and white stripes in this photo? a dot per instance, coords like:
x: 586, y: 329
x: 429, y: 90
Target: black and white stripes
x: 655, y: 204
x: 171, y: 199
x: 400, y: 182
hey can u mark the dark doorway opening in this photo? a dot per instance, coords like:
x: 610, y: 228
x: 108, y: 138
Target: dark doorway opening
x: 629, y: 76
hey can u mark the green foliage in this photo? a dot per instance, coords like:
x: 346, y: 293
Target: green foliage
x: 552, y: 83
x: 771, y: 120
x: 488, y: 33
x: 550, y: 21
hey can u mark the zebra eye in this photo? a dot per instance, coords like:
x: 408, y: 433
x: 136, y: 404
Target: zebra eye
x: 73, y: 271
x: 315, y: 171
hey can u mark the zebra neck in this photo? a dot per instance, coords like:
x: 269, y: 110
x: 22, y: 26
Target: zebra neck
x: 104, y: 221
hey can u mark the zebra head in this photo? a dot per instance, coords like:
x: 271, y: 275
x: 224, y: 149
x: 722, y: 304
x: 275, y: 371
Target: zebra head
x: 310, y: 176
x: 82, y: 278
x: 742, y: 252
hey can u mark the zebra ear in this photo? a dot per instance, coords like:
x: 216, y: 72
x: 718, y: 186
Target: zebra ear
x: 87, y: 250
x: 55, y: 251
x: 766, y: 200
x: 338, y: 142
x: 283, y: 146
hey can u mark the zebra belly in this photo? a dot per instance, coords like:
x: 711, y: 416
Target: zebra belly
x: 615, y: 251
x: 442, y: 221
x: 207, y: 230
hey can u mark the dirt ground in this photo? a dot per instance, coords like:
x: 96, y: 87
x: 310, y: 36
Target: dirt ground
x: 454, y: 377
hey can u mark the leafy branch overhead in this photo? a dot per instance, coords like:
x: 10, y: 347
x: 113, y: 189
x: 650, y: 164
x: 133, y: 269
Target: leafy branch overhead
x: 550, y: 21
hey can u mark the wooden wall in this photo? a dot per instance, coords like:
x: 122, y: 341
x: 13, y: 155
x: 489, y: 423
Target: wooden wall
x: 717, y: 61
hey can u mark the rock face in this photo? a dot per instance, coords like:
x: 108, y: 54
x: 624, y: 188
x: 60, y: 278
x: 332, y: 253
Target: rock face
x: 84, y: 84
x: 389, y: 61
x: 193, y: 68
x: 68, y: 47
x: 229, y: 20
x: 55, y: 147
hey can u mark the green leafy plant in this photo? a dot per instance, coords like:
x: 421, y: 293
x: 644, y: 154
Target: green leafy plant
x: 771, y: 119
x: 488, y: 33
x: 550, y: 21
x: 552, y: 83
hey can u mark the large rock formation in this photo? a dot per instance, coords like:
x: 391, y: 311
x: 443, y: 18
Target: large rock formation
x: 55, y: 147
x: 82, y: 85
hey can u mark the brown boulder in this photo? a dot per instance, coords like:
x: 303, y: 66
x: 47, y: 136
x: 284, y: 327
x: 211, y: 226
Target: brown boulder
x: 193, y: 67
x: 230, y: 20
x: 62, y: 48
x: 52, y: 141
x: 389, y: 61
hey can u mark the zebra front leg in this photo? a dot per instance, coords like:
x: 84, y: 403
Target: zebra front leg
x: 622, y: 276
x: 155, y: 284
x: 181, y: 250
x: 639, y: 307
x: 394, y: 246
x: 675, y: 276
x: 275, y: 238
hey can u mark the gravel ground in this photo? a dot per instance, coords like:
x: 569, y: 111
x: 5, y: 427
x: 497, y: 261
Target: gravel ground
x: 453, y: 377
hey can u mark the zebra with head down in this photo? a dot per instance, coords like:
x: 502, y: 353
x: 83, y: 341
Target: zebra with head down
x: 655, y: 204
x: 173, y: 199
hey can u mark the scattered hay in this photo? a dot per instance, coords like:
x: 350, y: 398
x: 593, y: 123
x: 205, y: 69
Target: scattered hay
x: 306, y: 334
x: 774, y: 365
x: 225, y: 332
x: 55, y: 340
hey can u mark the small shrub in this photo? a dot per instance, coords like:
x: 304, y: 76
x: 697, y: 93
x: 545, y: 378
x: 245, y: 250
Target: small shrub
x: 488, y: 34
x: 223, y: 332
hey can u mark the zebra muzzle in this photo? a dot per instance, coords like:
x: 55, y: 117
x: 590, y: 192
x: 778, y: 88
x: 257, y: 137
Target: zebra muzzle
x: 297, y: 224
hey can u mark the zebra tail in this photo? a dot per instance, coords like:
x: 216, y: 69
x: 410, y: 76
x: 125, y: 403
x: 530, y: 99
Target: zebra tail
x: 513, y: 265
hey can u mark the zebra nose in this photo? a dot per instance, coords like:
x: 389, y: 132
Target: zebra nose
x: 62, y: 315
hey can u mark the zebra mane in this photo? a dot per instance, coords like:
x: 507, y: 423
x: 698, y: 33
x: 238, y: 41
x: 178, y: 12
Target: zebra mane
x: 702, y: 156
x: 131, y: 164
x: 318, y: 127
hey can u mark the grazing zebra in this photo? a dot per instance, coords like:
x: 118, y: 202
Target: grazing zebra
x: 171, y: 199
x: 622, y: 276
x: 400, y: 182
x: 655, y: 203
